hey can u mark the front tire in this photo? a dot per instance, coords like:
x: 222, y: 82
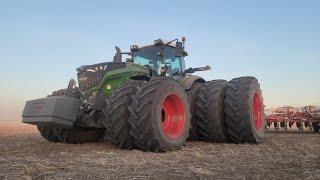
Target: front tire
x: 117, y: 114
x: 48, y: 132
x: 79, y: 135
x: 244, y: 110
x: 160, y: 116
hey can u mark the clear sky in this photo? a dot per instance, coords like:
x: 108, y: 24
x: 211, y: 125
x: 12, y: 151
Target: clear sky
x: 43, y: 42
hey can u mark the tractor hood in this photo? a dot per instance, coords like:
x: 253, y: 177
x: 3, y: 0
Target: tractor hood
x: 90, y: 76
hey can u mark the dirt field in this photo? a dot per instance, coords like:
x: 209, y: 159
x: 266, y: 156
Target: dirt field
x: 25, y: 155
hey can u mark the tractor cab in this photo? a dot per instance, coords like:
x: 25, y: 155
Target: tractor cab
x: 163, y: 58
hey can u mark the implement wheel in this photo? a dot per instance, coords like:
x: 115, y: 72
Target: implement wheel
x: 244, y: 110
x: 316, y: 126
x: 160, y: 115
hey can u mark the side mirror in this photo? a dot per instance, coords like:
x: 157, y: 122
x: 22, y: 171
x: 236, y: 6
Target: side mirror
x: 134, y: 48
x: 193, y: 70
x: 71, y: 85
x: 118, y: 56
x: 179, y: 49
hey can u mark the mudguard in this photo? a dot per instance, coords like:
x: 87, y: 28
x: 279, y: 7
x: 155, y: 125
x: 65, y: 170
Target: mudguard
x: 188, y: 81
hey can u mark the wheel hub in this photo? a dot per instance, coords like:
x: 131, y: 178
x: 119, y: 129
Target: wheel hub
x: 173, y: 116
x: 257, y: 111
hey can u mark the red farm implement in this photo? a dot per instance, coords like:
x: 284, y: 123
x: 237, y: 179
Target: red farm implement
x: 288, y: 117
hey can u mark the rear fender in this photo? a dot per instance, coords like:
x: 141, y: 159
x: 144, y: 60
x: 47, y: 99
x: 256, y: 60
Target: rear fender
x: 189, y: 80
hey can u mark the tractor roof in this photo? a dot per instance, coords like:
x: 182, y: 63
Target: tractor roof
x: 164, y: 42
x: 173, y: 45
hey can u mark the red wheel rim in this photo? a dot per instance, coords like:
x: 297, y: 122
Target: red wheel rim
x: 173, y: 116
x: 257, y: 111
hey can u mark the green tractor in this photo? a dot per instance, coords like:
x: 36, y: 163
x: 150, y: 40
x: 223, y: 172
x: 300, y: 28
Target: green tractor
x: 150, y: 102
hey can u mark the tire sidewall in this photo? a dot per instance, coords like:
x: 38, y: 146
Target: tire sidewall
x: 221, y: 117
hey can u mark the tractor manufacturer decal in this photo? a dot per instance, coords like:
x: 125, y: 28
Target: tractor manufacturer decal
x: 37, y: 107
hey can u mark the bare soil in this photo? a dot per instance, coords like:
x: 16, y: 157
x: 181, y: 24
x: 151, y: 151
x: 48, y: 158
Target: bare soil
x: 284, y: 155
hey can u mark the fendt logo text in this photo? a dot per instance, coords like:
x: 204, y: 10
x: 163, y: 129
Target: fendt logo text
x: 37, y: 107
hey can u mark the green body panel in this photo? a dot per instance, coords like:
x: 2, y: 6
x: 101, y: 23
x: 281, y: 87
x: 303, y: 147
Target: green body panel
x: 114, y: 79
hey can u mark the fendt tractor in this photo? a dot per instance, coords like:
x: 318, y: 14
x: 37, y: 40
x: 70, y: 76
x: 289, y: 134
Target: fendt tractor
x: 150, y: 102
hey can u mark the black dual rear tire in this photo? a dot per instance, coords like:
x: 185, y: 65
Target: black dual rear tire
x: 209, y: 113
x: 229, y: 111
x: 245, y: 119
x: 193, y: 94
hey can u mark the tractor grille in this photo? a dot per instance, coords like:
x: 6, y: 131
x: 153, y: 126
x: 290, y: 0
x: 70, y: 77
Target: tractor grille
x: 90, y: 76
x: 89, y: 79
